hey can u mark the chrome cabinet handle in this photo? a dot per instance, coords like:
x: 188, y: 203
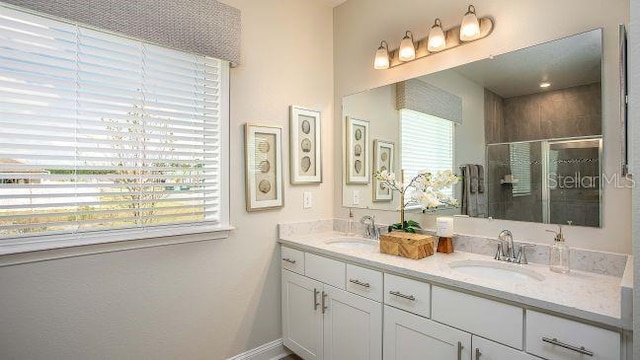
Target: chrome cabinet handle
x: 358, y: 282
x: 399, y: 294
x: 478, y: 353
x: 315, y: 299
x: 580, y: 349
x: 459, y: 350
x: 289, y: 260
x: 324, y: 306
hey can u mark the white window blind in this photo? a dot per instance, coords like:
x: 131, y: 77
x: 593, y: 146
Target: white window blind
x: 427, y: 143
x: 520, y: 158
x: 101, y: 132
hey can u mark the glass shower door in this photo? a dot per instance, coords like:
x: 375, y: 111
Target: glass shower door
x: 573, y: 171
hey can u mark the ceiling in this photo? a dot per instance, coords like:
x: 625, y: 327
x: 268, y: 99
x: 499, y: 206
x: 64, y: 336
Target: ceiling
x: 333, y: 3
x: 567, y: 62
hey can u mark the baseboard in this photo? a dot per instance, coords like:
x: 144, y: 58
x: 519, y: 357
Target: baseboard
x: 269, y: 351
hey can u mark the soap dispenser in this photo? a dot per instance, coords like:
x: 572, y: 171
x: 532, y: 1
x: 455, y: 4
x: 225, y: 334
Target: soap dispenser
x: 559, y: 254
x: 351, y: 225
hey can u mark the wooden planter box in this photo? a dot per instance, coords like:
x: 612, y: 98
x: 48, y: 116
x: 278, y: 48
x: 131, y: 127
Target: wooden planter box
x: 413, y: 246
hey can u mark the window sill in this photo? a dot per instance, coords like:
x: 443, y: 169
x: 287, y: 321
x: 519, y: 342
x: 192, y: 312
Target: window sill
x: 39, y: 250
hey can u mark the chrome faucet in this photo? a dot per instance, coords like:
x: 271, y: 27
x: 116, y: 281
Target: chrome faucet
x: 506, y: 240
x: 371, y: 230
x: 507, y: 249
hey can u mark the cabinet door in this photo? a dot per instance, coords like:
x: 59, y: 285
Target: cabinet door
x: 411, y: 337
x: 488, y: 350
x: 352, y: 326
x: 302, y: 315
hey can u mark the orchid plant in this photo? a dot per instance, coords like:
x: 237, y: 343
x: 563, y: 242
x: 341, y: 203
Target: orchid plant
x: 424, y: 190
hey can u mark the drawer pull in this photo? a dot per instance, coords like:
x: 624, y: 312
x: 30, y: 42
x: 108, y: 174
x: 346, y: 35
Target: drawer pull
x: 399, y: 294
x: 358, y: 282
x: 478, y: 353
x: 459, y: 350
x: 580, y: 349
x: 315, y: 299
x: 289, y: 260
x: 324, y: 306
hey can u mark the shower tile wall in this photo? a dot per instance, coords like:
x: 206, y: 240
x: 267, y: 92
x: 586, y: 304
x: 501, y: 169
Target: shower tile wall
x: 563, y: 113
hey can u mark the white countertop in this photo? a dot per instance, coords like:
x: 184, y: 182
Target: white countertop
x: 588, y: 296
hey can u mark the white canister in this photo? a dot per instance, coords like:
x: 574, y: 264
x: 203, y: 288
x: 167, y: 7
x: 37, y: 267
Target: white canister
x: 445, y: 227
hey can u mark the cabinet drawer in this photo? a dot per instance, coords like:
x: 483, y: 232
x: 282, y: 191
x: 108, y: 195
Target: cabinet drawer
x: 364, y: 282
x: 479, y: 316
x: 407, y: 294
x: 292, y: 260
x: 556, y: 338
x: 323, y: 269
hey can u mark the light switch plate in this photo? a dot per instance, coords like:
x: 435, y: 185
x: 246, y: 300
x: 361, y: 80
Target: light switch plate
x: 307, y: 200
x: 356, y: 197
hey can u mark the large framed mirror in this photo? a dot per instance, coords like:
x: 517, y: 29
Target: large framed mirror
x: 523, y: 129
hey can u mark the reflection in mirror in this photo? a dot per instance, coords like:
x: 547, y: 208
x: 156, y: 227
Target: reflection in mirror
x: 524, y: 129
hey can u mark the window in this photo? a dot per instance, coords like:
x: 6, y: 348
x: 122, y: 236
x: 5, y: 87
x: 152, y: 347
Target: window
x: 520, y: 158
x: 427, y: 143
x: 101, y: 132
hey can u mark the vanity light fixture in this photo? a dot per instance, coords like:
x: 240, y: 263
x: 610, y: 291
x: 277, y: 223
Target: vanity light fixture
x: 545, y: 84
x: 382, y: 57
x: 437, y: 41
x: 407, y: 50
x: 470, y: 28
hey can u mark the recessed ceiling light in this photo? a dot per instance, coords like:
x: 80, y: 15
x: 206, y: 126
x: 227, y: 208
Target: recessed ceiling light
x: 545, y: 84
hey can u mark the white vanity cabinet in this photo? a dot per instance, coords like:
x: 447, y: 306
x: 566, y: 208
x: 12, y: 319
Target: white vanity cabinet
x: 411, y: 337
x: 335, y: 310
x: 352, y: 326
x: 324, y: 322
x: 301, y: 315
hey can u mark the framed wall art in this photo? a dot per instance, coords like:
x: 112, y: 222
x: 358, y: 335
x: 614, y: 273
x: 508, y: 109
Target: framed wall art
x: 263, y: 172
x: 357, y: 151
x: 305, y: 150
x: 383, y: 155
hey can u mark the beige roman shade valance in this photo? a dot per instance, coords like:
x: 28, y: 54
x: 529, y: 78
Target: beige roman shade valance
x: 205, y: 27
x: 419, y: 96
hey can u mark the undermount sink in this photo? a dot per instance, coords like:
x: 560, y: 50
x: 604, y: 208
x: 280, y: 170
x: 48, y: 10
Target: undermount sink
x: 496, y: 270
x: 351, y: 243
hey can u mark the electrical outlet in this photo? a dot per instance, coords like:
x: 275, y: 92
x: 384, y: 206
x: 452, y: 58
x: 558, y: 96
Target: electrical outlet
x: 356, y: 197
x: 307, y: 200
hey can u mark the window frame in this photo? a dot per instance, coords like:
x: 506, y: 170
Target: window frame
x: 127, y: 237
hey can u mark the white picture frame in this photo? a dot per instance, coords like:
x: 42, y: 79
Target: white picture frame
x: 358, y: 164
x: 383, y: 159
x: 305, y: 146
x: 263, y: 167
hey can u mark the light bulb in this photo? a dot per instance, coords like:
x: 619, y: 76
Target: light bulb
x: 437, y: 40
x: 470, y: 28
x: 407, y: 51
x: 382, y: 57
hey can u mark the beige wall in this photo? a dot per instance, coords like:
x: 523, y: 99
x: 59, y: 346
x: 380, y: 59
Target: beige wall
x: 378, y: 106
x: 359, y: 25
x: 634, y: 125
x: 209, y: 300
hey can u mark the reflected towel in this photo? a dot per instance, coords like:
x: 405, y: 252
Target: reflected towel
x: 473, y: 177
x: 480, y: 179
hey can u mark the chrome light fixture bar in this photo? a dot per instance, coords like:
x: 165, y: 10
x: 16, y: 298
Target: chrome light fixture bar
x: 471, y: 29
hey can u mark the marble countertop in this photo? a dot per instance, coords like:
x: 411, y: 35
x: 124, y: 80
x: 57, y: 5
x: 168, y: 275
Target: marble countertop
x: 587, y: 296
